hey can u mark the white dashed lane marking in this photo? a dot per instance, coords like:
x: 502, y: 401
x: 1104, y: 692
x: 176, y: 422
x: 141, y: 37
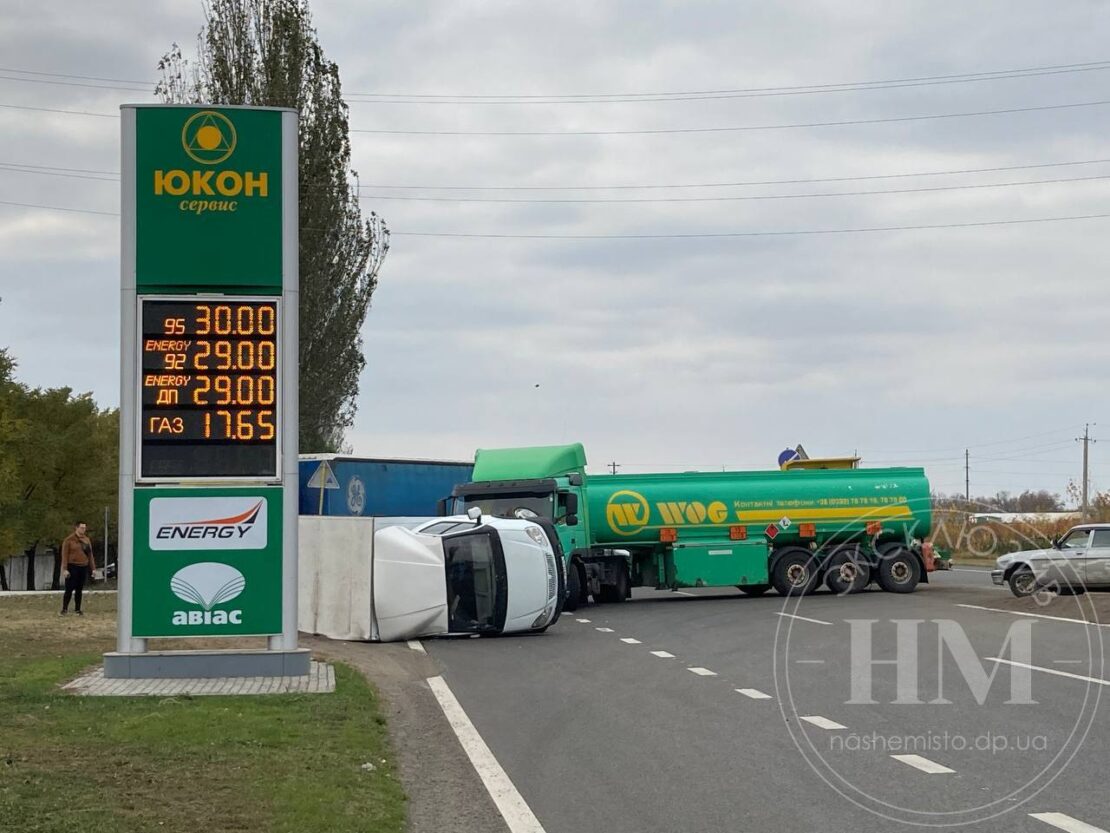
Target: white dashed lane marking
x: 1065, y: 822
x: 1034, y: 615
x: 822, y: 722
x: 583, y: 621
x: 682, y: 593
x: 662, y: 654
x: 702, y: 672
x: 803, y: 618
x: 417, y: 646
x: 754, y: 693
x: 924, y: 764
x: 628, y: 640
x: 604, y: 630
x: 1053, y: 671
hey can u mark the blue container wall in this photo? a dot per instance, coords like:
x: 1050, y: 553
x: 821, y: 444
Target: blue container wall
x: 381, y: 487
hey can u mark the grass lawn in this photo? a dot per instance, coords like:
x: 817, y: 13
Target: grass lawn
x: 196, y: 764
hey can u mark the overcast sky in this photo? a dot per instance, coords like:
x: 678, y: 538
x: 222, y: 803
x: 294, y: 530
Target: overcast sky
x: 682, y: 352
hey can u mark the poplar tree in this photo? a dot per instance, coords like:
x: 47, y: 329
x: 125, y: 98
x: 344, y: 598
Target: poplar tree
x: 266, y: 53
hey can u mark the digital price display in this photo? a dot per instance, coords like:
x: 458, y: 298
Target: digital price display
x: 209, y: 389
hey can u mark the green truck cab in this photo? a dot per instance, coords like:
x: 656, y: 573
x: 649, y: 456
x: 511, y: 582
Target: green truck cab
x: 789, y: 529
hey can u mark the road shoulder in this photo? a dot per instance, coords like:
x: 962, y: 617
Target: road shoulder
x: 444, y: 791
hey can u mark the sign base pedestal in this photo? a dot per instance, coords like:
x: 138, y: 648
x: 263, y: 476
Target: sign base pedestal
x: 206, y: 664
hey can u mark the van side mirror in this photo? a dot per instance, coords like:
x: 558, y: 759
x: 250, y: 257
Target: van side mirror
x: 474, y: 513
x: 572, y: 520
x: 572, y: 503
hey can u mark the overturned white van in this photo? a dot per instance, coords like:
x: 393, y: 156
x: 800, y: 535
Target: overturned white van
x: 380, y: 580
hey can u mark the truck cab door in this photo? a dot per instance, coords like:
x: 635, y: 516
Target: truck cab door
x: 570, y: 521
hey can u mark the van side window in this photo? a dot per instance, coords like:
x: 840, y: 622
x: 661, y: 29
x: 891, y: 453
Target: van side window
x: 1101, y: 539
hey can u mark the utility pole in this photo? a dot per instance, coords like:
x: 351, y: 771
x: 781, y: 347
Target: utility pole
x: 967, y: 475
x: 613, y: 467
x: 1086, y: 440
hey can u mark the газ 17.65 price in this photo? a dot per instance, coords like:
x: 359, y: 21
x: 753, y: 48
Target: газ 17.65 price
x: 210, y: 395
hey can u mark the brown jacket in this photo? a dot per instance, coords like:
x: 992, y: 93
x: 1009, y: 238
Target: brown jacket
x: 74, y: 549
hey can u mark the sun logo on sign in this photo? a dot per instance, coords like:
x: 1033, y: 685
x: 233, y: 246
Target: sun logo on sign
x: 208, y: 137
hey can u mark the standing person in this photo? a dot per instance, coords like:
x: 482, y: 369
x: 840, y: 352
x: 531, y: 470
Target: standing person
x: 78, y: 563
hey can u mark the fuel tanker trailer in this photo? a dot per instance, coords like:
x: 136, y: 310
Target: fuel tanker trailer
x: 809, y: 522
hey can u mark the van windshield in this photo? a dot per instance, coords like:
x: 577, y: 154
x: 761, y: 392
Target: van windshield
x: 506, y: 506
x: 475, y: 569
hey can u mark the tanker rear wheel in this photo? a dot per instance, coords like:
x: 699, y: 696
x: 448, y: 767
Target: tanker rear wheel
x: 795, y: 572
x: 899, y: 571
x: 847, y: 572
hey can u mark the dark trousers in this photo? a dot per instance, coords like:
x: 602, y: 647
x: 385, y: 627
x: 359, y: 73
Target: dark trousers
x: 74, y: 585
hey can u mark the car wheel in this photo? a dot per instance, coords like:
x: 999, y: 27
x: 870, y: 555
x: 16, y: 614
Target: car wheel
x: 1022, y: 582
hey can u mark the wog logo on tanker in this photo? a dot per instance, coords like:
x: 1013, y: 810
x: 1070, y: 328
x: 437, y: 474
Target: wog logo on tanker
x: 209, y: 138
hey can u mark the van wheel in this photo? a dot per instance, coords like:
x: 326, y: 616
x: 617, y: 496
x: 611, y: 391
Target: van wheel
x: 794, y: 574
x: 847, y: 572
x: 754, y: 589
x: 899, y: 571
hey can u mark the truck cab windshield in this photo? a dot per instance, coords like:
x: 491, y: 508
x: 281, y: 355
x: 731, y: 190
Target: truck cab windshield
x: 506, y: 506
x: 475, y: 586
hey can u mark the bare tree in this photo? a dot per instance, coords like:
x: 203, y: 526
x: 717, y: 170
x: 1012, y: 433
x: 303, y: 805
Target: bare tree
x: 265, y: 52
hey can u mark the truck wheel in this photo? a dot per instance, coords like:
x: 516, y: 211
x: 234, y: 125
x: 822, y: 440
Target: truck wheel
x: 754, y: 589
x: 794, y: 573
x: 847, y: 572
x: 574, y: 588
x: 899, y: 571
x: 1022, y: 582
x: 615, y: 592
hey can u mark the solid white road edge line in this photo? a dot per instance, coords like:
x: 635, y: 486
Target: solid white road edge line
x: 417, y: 646
x: 628, y: 640
x: 754, y: 693
x: 1035, y: 615
x: 803, y: 618
x: 822, y: 722
x: 512, y: 806
x: 1055, y: 672
x: 1065, y: 822
x: 681, y: 593
x: 702, y: 672
x: 662, y: 654
x: 924, y: 764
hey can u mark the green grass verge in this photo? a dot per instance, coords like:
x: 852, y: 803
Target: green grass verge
x: 204, y: 764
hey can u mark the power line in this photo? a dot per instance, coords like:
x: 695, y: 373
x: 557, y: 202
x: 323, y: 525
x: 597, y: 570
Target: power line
x: 652, y: 131
x: 724, y: 234
x: 844, y: 86
x: 733, y: 129
x: 740, y: 183
x: 976, y: 445
x: 638, y: 98
x: 742, y: 198
x: 4, y: 167
x: 135, y: 89
x: 681, y: 236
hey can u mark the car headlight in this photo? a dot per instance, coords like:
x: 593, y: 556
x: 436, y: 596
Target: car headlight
x: 536, y: 534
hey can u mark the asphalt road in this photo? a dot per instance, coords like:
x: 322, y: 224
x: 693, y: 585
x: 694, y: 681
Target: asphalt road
x: 600, y: 734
